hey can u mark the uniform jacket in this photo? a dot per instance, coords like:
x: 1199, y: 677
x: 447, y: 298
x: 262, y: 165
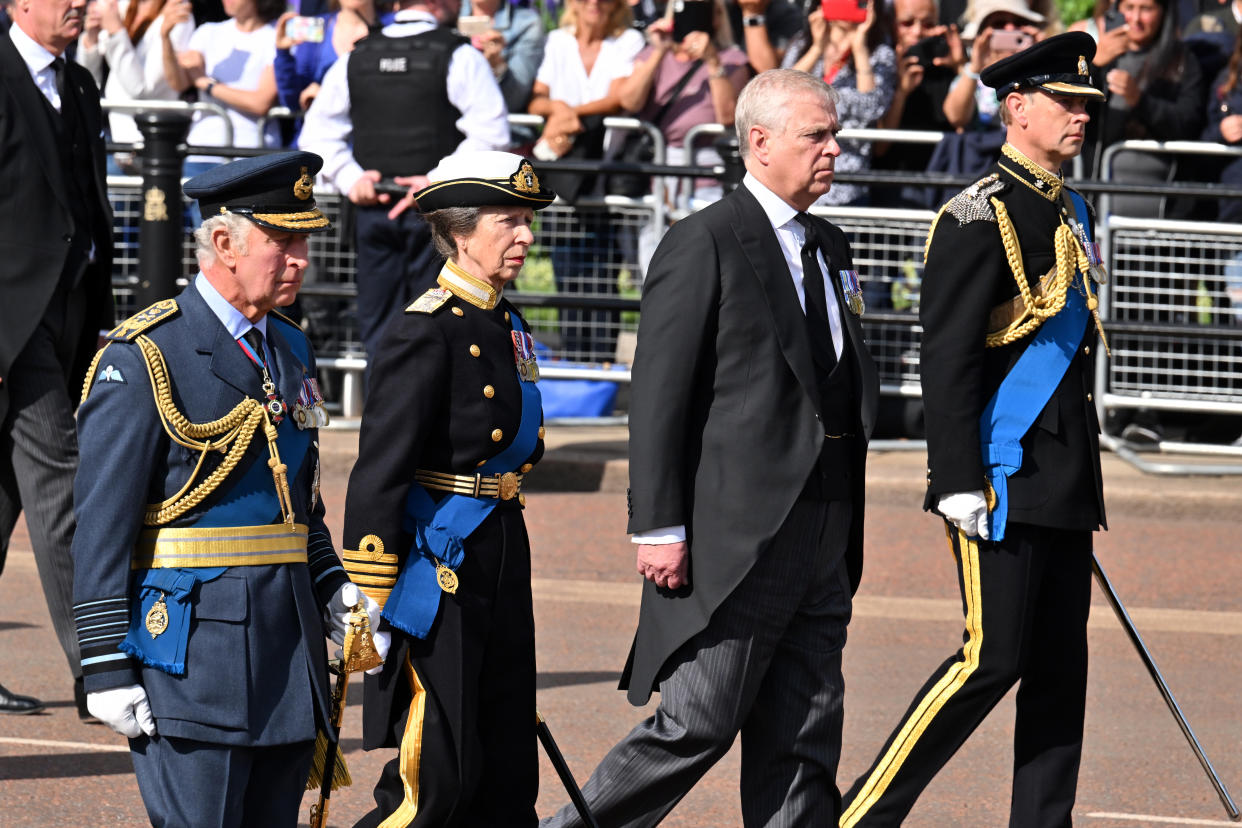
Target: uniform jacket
x: 965, y: 276
x: 724, y: 428
x: 36, y: 224
x: 435, y: 405
x: 256, y: 670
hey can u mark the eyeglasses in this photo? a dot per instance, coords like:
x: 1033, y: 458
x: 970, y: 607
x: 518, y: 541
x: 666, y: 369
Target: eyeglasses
x: 911, y: 22
x: 999, y: 21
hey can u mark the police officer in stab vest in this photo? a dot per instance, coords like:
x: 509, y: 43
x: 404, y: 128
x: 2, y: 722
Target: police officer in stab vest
x: 433, y: 520
x: 1008, y: 314
x: 402, y: 100
x: 205, y: 578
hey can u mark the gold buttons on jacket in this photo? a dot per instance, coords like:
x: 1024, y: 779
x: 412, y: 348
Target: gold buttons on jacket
x: 474, y: 350
x: 506, y: 316
x: 458, y: 312
x: 1089, y: 398
x: 526, y: 467
x: 541, y: 432
x: 522, y: 499
x: 497, y: 435
x: 1086, y: 349
x: 488, y: 391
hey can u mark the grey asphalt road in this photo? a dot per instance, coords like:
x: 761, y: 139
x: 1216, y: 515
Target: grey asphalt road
x: 1172, y: 552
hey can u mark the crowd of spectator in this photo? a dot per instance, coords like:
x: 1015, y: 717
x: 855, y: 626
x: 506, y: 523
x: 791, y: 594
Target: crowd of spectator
x: 1169, y: 68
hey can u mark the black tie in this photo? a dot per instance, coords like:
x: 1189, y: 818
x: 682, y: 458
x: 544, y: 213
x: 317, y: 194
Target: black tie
x: 254, y: 338
x: 816, y: 303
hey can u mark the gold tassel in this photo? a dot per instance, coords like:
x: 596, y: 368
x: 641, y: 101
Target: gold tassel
x: 340, y: 773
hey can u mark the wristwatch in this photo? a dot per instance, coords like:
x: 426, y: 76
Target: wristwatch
x: 211, y: 84
x: 754, y: 20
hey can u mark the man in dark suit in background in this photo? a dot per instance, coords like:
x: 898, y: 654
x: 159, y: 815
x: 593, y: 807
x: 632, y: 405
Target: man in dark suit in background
x: 753, y: 398
x: 55, y: 269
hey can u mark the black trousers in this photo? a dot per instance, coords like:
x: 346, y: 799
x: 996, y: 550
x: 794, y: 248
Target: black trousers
x: 396, y: 262
x: 463, y: 706
x: 1026, y: 601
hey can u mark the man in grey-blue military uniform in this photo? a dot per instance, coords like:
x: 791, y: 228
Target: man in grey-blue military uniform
x: 205, y: 578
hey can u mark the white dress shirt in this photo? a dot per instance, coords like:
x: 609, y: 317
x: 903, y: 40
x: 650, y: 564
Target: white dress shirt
x: 328, y: 130
x: 39, y: 62
x: 791, y: 236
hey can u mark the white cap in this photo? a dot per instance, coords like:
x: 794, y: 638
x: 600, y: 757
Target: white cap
x: 983, y: 9
x: 476, y: 164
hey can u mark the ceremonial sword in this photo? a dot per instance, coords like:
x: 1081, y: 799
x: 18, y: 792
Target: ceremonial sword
x: 1137, y: 640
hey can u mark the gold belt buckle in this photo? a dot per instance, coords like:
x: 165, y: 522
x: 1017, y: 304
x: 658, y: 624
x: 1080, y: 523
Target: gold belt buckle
x: 507, y: 486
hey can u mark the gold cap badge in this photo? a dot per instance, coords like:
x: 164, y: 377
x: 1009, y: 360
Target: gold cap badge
x: 1082, y: 65
x: 525, y: 180
x: 304, y: 186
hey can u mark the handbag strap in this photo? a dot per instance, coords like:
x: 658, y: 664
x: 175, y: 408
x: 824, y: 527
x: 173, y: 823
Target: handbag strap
x: 681, y: 84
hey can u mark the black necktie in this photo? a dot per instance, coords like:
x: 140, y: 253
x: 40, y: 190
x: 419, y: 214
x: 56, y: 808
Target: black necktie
x: 816, y: 303
x: 58, y: 67
x: 254, y: 338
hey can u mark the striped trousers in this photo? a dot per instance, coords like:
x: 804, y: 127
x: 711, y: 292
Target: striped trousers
x: 768, y: 666
x: 1025, y: 600
x: 39, y: 458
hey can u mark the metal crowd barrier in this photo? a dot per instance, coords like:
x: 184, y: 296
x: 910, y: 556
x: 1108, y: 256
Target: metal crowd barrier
x: 1176, y: 334
x: 1173, y: 310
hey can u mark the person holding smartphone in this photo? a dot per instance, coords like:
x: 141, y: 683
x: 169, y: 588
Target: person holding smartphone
x: 305, y: 52
x: 716, y: 71
x: 845, y: 45
x: 999, y: 28
x: 928, y: 56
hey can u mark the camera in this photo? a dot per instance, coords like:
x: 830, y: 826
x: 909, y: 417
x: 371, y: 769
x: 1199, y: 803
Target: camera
x: 928, y: 49
x: 1113, y: 19
x: 1010, y: 40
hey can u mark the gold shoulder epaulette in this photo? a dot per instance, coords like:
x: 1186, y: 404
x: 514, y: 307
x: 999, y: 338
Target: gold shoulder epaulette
x: 431, y: 301
x: 974, y: 202
x: 144, y: 320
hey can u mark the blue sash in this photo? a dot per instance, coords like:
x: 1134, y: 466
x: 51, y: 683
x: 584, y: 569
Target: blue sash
x: 439, y: 528
x: 1027, y: 388
x: 250, y: 501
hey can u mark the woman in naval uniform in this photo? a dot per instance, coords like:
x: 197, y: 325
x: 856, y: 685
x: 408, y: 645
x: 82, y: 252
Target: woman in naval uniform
x: 433, y: 519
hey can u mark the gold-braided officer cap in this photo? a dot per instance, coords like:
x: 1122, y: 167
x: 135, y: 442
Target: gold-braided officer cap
x: 1060, y: 65
x: 275, y: 190
x: 485, y: 178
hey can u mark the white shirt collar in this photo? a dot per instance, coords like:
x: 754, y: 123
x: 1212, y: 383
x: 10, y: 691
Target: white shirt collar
x: 415, y: 16
x: 777, y: 210
x: 36, y: 57
x: 229, y: 316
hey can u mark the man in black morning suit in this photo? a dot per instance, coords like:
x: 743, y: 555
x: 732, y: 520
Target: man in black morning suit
x: 55, y: 270
x: 753, y: 399
x: 1013, y: 450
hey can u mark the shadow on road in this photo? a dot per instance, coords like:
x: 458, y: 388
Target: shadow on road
x: 547, y: 681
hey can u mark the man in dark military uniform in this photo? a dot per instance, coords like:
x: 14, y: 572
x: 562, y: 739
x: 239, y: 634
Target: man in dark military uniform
x: 433, y: 519
x: 203, y: 566
x: 1013, y: 453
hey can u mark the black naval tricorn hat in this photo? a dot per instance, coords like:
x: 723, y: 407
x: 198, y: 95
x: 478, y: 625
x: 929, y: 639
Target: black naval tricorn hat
x: 1060, y: 65
x: 274, y: 191
x: 484, y: 178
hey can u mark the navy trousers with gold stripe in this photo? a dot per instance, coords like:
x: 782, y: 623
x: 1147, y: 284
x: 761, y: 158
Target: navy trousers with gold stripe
x: 463, y: 710
x: 1026, y: 601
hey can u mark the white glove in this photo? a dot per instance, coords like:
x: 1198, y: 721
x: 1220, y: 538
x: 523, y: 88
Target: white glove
x: 968, y: 511
x: 124, y: 709
x: 341, y: 605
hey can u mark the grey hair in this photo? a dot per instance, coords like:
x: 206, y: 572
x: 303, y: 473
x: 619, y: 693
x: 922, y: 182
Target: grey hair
x: 449, y: 222
x: 238, y: 227
x: 1005, y: 118
x: 765, y: 101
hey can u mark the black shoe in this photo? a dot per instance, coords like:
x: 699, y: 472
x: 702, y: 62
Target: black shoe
x: 13, y: 703
x: 79, y: 699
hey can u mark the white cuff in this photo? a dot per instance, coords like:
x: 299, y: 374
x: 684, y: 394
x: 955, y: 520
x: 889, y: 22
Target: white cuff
x: 661, y: 536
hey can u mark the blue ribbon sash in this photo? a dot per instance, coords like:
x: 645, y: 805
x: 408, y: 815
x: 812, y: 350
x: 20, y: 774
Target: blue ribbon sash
x: 439, y: 528
x: 1028, y: 386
